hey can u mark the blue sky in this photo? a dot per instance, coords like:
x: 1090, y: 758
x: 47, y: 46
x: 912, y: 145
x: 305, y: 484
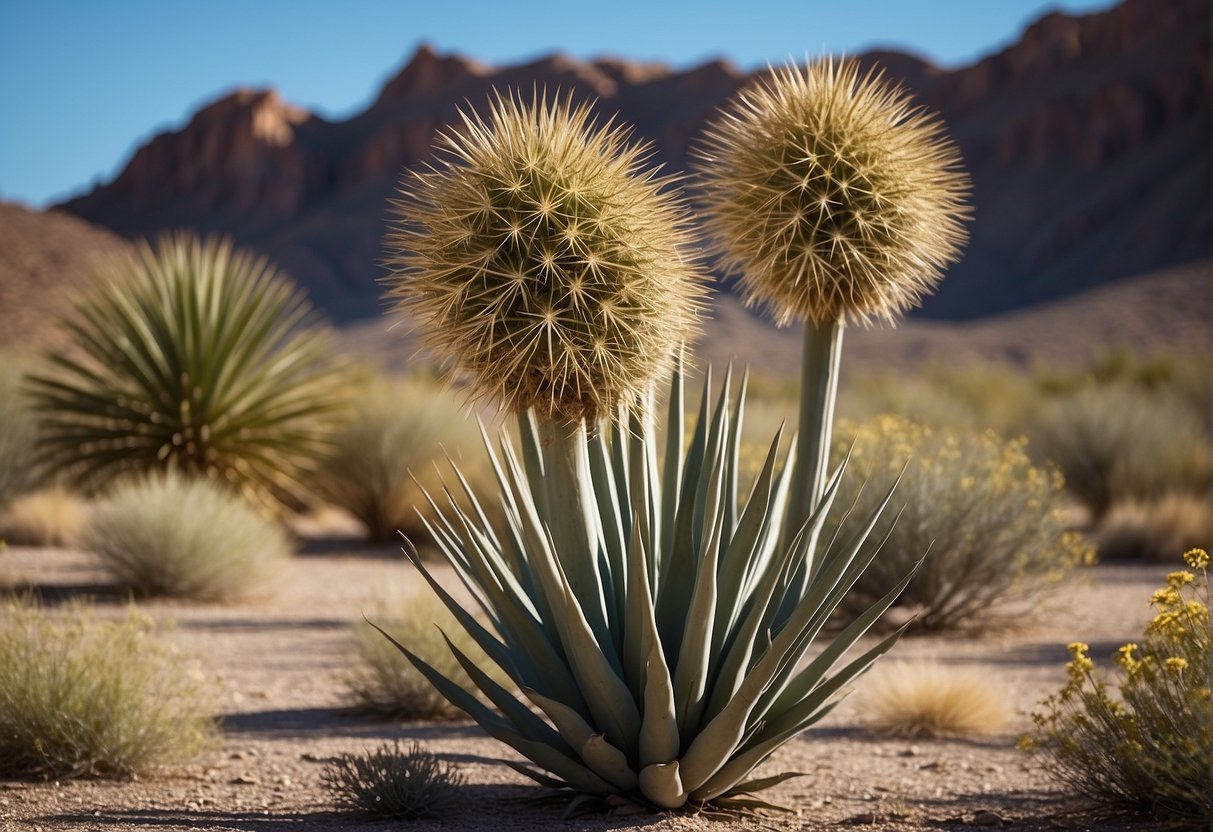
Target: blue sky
x: 84, y: 82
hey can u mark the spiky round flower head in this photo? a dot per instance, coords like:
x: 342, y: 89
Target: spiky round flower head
x: 544, y: 260
x: 831, y: 195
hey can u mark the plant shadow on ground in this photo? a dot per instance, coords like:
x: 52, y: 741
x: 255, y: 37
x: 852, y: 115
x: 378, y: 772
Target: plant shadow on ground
x: 479, y: 806
x: 301, y: 723
x: 55, y: 595
x: 349, y: 546
x: 1046, y: 653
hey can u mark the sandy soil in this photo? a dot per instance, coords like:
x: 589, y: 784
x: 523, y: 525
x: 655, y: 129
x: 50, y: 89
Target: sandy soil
x: 279, y: 660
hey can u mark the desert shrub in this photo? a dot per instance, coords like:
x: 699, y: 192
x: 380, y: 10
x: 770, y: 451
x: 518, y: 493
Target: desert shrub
x: 926, y: 699
x: 1154, y: 530
x: 392, y: 784
x: 1184, y: 375
x: 18, y: 432
x: 1142, y: 741
x: 388, y: 451
x: 992, y: 521
x: 46, y: 517
x: 168, y: 534
x: 1118, y: 443
x: 382, y: 682
x: 81, y: 696
x: 197, y: 358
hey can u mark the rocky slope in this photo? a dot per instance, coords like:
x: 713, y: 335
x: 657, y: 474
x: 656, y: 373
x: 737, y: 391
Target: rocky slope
x: 1088, y: 141
x: 46, y: 259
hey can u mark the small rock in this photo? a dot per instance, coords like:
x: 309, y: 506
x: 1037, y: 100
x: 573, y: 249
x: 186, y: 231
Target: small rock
x: 308, y: 756
x: 912, y: 751
x: 243, y: 780
x: 863, y: 819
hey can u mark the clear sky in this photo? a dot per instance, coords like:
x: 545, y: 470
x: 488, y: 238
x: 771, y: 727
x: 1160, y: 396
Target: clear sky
x: 84, y: 82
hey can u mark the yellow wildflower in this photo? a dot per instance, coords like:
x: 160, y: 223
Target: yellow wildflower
x: 1197, y: 558
x: 1180, y: 579
x: 1164, y: 597
x: 1176, y: 663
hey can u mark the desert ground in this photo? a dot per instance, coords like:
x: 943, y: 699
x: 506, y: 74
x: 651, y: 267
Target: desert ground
x: 279, y: 661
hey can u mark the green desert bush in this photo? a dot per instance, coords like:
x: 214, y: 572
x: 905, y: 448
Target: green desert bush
x: 391, y: 784
x: 19, y: 472
x: 993, y: 522
x: 1119, y: 443
x: 81, y: 696
x: 379, y: 682
x: 1154, y: 530
x: 924, y: 700
x: 195, y: 357
x: 45, y: 517
x: 172, y: 535
x: 393, y: 448
x: 1141, y: 741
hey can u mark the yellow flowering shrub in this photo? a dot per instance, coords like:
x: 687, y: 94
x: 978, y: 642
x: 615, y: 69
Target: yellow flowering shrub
x: 992, y: 520
x: 1143, y: 742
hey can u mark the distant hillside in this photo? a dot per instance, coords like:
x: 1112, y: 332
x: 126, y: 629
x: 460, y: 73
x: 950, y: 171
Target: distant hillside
x: 1088, y: 141
x: 46, y: 259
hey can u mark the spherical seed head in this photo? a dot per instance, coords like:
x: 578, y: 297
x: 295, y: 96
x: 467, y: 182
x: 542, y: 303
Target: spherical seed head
x: 831, y: 195
x: 543, y: 260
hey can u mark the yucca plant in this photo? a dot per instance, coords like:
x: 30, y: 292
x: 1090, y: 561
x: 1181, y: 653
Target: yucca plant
x: 196, y: 357
x: 646, y: 611
x: 835, y: 200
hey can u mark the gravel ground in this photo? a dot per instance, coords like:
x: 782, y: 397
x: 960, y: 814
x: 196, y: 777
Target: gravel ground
x: 280, y: 658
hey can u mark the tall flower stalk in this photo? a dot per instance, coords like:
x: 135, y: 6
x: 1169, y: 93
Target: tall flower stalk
x: 635, y: 594
x: 835, y: 200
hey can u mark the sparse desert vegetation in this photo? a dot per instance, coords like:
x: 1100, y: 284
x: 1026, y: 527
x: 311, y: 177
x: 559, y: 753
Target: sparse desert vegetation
x: 84, y: 696
x: 655, y: 580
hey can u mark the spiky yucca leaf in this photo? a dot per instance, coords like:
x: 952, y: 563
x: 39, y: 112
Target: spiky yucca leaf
x: 196, y: 357
x: 679, y: 677
x: 831, y: 195
x: 544, y: 260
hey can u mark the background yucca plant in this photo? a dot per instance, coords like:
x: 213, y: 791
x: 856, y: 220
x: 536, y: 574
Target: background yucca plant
x: 649, y: 614
x: 19, y: 472
x: 195, y: 357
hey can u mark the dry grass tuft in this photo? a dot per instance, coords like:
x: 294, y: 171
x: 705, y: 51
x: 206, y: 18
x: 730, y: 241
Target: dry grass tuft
x: 391, y: 784
x: 50, y: 517
x: 917, y: 700
x: 1153, y: 530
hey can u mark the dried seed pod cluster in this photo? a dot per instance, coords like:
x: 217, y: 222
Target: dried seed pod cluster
x: 541, y: 258
x: 831, y: 195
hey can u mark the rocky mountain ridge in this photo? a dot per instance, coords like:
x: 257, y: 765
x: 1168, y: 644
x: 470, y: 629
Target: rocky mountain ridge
x: 1088, y: 141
